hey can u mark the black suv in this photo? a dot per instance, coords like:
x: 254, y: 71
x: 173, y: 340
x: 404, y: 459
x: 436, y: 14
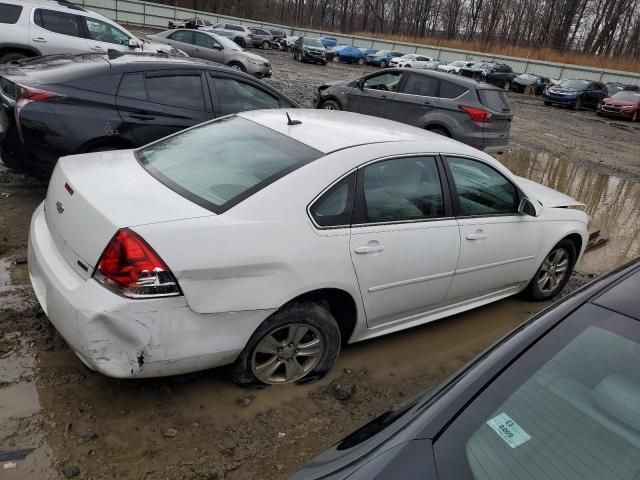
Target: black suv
x: 66, y: 104
x: 307, y: 49
x: 498, y: 74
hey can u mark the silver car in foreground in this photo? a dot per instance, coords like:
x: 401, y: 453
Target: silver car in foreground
x: 216, y: 48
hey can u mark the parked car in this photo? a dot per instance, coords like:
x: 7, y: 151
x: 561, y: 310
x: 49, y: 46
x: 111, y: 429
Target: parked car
x: 328, y: 42
x: 367, y: 51
x: 427, y: 231
x: 346, y: 53
x: 557, y: 396
x: 456, y: 107
x: 498, y: 74
x: 454, y: 67
x: 239, y: 34
x: 410, y: 60
x: 382, y: 58
x: 576, y: 94
x: 194, y: 23
x: 209, y: 46
x: 291, y: 41
x: 307, y: 49
x: 434, y: 64
x: 261, y: 38
x: 615, y: 87
x: 68, y: 104
x: 44, y: 27
x: 277, y: 33
x: 624, y: 104
x: 521, y: 82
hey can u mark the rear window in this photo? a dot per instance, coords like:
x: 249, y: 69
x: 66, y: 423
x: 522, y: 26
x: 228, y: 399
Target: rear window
x: 221, y: 163
x: 9, y: 13
x: 450, y: 90
x: 494, y: 100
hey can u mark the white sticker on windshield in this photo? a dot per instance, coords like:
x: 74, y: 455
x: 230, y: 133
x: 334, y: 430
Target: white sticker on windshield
x: 508, y: 430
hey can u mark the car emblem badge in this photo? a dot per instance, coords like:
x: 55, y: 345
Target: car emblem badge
x: 60, y: 207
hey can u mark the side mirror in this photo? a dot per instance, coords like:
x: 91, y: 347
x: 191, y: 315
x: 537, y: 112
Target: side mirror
x: 527, y: 207
x: 218, y: 47
x: 133, y: 43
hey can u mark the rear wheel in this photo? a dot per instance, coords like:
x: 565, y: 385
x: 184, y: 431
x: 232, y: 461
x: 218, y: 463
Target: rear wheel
x: 240, y: 41
x: 237, y: 66
x: 12, y: 57
x: 554, y: 272
x: 440, y: 131
x: 266, y: 45
x: 383, y: 64
x: 330, y: 105
x: 298, y: 344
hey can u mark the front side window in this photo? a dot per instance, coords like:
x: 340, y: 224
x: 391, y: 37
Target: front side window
x: 183, y: 91
x: 481, y: 190
x: 205, y: 41
x: 9, y: 13
x: 103, y: 32
x: 387, y: 82
x: 402, y: 189
x: 58, y: 22
x: 334, y: 207
x: 568, y: 408
x: 422, y: 85
x: 235, y: 96
x: 219, y: 163
x: 184, y: 36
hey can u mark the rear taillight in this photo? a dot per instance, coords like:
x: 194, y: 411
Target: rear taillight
x: 130, y: 267
x: 26, y: 95
x: 476, y: 114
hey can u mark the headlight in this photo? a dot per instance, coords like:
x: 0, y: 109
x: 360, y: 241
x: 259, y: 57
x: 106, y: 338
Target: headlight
x: 627, y: 107
x: 254, y: 62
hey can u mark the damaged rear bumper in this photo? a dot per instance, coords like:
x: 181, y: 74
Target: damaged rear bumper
x: 126, y: 338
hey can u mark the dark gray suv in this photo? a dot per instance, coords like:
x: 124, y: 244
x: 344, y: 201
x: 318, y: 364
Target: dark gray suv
x: 474, y: 113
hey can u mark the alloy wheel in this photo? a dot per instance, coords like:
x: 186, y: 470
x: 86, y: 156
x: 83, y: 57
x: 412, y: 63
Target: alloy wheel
x: 287, y: 354
x: 553, y: 271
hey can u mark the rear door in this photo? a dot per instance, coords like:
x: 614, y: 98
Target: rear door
x: 52, y: 31
x: 417, y: 101
x: 497, y: 130
x: 158, y: 103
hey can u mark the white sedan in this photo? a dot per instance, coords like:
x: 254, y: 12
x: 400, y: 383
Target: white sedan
x: 454, y: 67
x: 267, y: 243
x: 410, y: 60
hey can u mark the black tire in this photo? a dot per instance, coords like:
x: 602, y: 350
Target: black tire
x: 311, y: 314
x: 635, y: 117
x: 237, y: 66
x: 323, y: 63
x: 240, y: 41
x: 548, y: 104
x: 266, y: 45
x: 383, y: 64
x: 507, y: 86
x: 533, y: 290
x: 361, y: 61
x: 12, y: 57
x: 439, y: 131
x: 577, y: 105
x: 330, y: 105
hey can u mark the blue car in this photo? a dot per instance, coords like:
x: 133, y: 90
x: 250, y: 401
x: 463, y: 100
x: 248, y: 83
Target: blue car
x: 349, y: 54
x: 328, y: 42
x: 382, y: 58
x: 576, y: 94
x: 367, y: 51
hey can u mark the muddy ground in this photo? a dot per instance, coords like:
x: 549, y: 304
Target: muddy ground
x: 201, y: 426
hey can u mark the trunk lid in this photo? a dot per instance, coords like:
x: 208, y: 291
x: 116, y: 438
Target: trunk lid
x: 498, y: 129
x: 91, y: 196
x: 548, y: 197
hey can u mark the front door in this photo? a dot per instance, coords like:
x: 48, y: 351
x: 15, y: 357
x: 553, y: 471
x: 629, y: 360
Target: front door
x: 103, y: 36
x: 404, y: 243
x: 498, y: 245
x: 376, y: 92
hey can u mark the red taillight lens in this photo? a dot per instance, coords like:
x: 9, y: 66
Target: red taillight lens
x: 476, y: 114
x: 130, y: 267
x: 26, y: 95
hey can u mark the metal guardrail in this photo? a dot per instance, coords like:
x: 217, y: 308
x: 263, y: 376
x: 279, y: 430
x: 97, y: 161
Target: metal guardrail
x: 158, y: 15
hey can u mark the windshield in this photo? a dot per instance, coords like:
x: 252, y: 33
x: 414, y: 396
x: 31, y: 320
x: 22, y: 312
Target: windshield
x: 458, y: 64
x: 574, y: 84
x: 218, y: 164
x: 528, y: 76
x: 382, y: 52
x: 628, y: 96
x: 227, y: 43
x: 408, y: 56
x: 313, y: 42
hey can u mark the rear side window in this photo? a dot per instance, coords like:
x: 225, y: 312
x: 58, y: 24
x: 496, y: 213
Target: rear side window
x: 494, y: 100
x: 58, y: 22
x: 184, y: 91
x: 220, y: 163
x: 235, y: 96
x: 450, y: 90
x: 183, y: 36
x: 9, y: 13
x: 421, y: 85
x: 334, y: 208
x: 132, y: 86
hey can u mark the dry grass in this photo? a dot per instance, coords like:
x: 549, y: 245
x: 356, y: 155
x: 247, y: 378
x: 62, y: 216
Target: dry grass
x: 547, y: 54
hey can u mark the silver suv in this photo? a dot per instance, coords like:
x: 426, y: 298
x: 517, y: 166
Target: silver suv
x: 29, y: 28
x: 239, y: 34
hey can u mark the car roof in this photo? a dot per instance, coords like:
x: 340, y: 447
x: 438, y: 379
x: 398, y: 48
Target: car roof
x: 623, y: 297
x: 464, y: 81
x: 329, y: 130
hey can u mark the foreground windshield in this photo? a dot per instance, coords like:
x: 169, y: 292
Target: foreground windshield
x: 574, y: 84
x: 629, y: 96
x: 220, y: 163
x: 313, y: 42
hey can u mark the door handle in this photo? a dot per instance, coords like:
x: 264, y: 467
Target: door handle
x: 196, y: 50
x: 97, y: 49
x: 141, y: 116
x: 39, y: 40
x: 369, y: 248
x: 478, y: 235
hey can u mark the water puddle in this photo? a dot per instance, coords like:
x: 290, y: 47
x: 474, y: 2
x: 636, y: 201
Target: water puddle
x: 613, y: 204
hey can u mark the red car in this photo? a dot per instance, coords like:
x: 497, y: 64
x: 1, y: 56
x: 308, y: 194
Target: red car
x: 624, y: 104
